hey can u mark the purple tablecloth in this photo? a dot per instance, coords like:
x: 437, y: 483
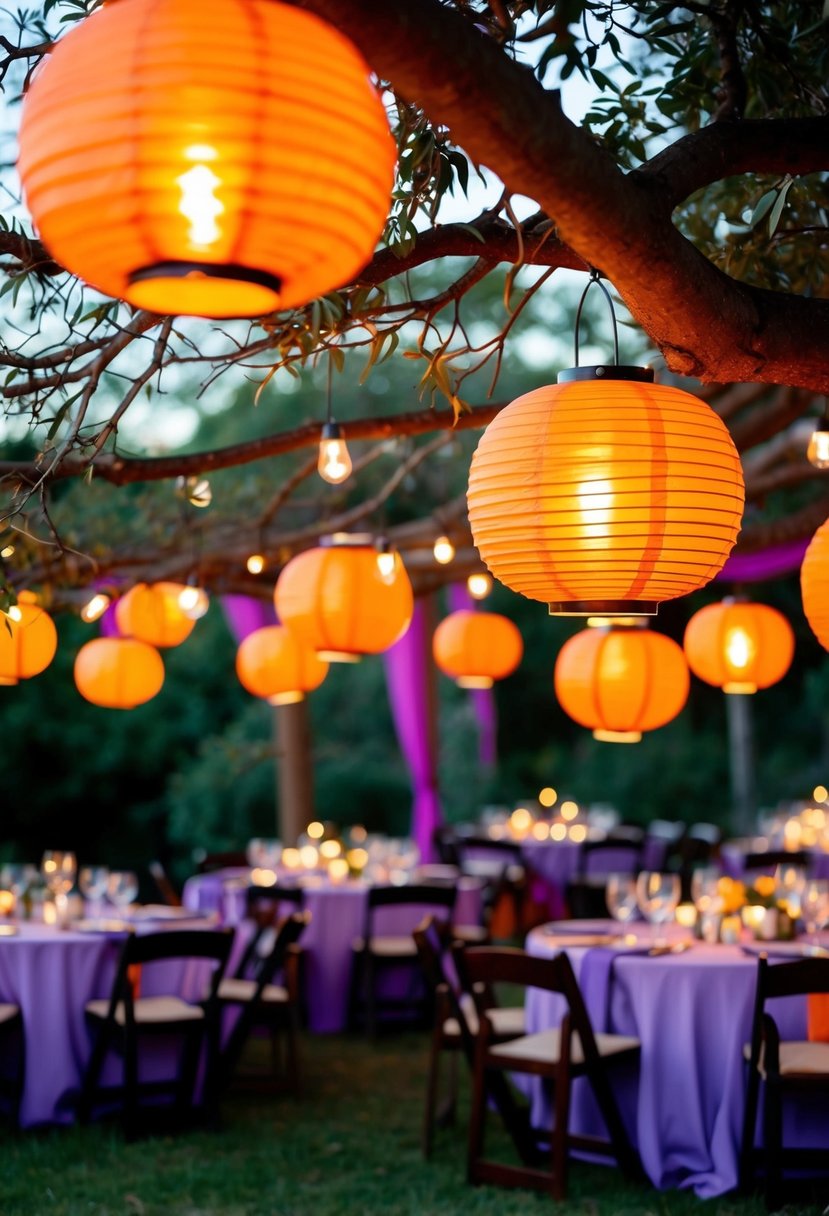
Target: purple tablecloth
x: 337, y: 918
x: 692, y: 1013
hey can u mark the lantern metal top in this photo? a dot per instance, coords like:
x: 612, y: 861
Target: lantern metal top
x: 607, y: 371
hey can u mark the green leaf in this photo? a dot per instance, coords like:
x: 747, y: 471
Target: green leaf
x: 762, y: 208
x: 777, y: 209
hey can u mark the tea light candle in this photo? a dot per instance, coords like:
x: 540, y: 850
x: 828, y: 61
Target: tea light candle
x: 50, y: 913
x: 357, y: 860
x: 6, y: 903
x: 338, y: 869
x: 262, y: 878
x: 753, y: 916
x: 730, y: 930
x: 291, y: 859
x: 686, y: 915
x: 309, y: 856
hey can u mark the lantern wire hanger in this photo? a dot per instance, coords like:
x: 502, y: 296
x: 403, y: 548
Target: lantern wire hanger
x: 604, y: 371
x: 334, y: 464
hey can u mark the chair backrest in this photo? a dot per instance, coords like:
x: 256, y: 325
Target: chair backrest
x: 771, y: 858
x: 434, y: 941
x: 662, y: 846
x: 265, y: 902
x: 212, y: 945
x: 616, y: 851
x: 420, y: 897
x: 165, y: 887
x: 287, y: 935
x: 219, y: 861
x: 798, y: 978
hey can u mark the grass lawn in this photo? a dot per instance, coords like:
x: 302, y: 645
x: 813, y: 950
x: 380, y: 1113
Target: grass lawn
x: 349, y: 1148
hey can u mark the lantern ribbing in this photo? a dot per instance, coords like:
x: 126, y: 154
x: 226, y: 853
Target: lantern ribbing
x: 814, y: 584
x: 477, y: 648
x: 739, y: 646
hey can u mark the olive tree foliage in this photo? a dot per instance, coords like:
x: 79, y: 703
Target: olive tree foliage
x: 695, y: 183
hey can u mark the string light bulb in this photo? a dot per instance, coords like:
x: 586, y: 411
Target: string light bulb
x: 255, y: 563
x: 444, y: 550
x: 334, y: 465
x: 817, y: 452
x: 196, y: 490
x: 193, y: 600
x: 386, y: 560
x: 95, y: 607
x: 7, y: 550
x: 479, y: 585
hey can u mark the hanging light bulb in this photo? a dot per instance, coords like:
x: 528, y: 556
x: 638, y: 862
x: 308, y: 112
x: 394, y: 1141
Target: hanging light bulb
x: 334, y: 464
x: 817, y: 452
x: 196, y: 490
x: 95, y: 607
x: 255, y: 563
x: 479, y: 585
x: 7, y: 550
x: 386, y: 560
x: 444, y: 550
x: 193, y: 600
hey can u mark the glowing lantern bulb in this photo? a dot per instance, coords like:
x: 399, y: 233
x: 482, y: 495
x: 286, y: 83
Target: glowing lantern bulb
x: 444, y: 550
x: 479, y: 585
x: 255, y: 563
x: 817, y: 452
x: 193, y: 602
x: 334, y: 464
x: 95, y: 607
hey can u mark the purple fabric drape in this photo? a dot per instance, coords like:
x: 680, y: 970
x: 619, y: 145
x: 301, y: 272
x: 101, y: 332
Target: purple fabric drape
x: 773, y: 562
x: 483, y: 699
x: 408, y: 675
x: 244, y: 614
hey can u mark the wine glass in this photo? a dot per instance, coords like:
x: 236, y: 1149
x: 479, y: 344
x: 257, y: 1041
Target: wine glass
x: 93, y: 881
x: 814, y: 905
x: 122, y: 888
x: 657, y: 896
x: 790, y: 881
x: 17, y: 877
x: 58, y: 870
x: 620, y: 897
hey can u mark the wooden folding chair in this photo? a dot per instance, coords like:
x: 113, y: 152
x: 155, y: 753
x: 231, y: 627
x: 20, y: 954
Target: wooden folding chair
x: 268, y: 1004
x: 786, y: 1069
x: 557, y: 1055
x: 120, y: 1021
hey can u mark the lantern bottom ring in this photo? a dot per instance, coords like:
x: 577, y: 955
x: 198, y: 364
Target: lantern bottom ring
x: 739, y: 686
x: 603, y: 608
x: 286, y: 698
x: 250, y: 291
x: 338, y: 656
x: 618, y: 736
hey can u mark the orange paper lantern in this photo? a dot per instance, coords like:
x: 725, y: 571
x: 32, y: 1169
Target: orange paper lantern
x: 118, y: 673
x: 219, y: 162
x: 477, y: 648
x: 621, y: 681
x: 605, y: 493
x: 151, y: 612
x: 28, y: 640
x: 814, y: 584
x: 273, y: 663
x: 739, y: 646
x: 337, y: 600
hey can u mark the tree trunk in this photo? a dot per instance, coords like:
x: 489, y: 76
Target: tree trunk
x: 294, y: 770
x: 741, y: 758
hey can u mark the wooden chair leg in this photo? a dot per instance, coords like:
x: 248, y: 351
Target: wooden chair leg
x: 430, y: 1102
x: 477, y: 1115
x: 369, y: 1002
x: 558, y: 1147
x: 130, y: 1107
x: 292, y: 1055
x: 773, y: 1145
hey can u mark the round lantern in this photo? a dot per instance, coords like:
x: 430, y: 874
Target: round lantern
x: 620, y: 681
x: 738, y: 646
x: 477, y: 648
x: 273, y: 663
x: 152, y: 613
x: 344, y: 602
x: 220, y: 164
x: 814, y: 584
x: 605, y: 493
x: 28, y: 640
x: 118, y: 673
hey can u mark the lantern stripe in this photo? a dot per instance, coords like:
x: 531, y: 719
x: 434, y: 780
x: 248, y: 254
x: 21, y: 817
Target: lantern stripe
x: 476, y: 648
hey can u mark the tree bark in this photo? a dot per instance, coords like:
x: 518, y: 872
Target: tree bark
x: 294, y: 770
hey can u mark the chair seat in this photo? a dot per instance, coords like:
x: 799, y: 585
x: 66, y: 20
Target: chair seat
x: 508, y: 1022
x: 242, y: 991
x: 150, y: 1011
x: 471, y: 935
x: 544, y: 1047
x: 8, y: 1013
x: 387, y: 947
x: 798, y: 1059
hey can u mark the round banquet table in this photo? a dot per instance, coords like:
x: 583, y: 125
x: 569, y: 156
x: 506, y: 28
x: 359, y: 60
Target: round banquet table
x: 692, y: 1013
x: 337, y: 918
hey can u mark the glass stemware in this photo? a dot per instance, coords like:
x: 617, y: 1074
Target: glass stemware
x: 18, y: 877
x: 93, y: 881
x: 814, y: 905
x: 59, y: 870
x: 122, y: 888
x: 620, y: 897
x: 657, y: 896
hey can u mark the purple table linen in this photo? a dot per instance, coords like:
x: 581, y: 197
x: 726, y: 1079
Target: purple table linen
x: 337, y: 918
x: 692, y: 1014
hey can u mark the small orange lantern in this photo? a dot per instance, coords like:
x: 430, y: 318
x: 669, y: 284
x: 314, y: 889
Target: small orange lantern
x: 28, y: 640
x: 814, y: 584
x: 118, y: 673
x: 273, y: 663
x: 739, y: 646
x: 343, y: 601
x: 621, y: 680
x: 235, y: 161
x: 152, y: 613
x: 477, y: 648
x: 605, y: 493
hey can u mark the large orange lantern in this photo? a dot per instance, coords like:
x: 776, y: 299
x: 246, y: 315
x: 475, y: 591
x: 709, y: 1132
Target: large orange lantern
x: 605, y: 493
x: 739, y: 646
x: 118, y: 673
x: 152, y: 613
x: 345, y: 599
x: 220, y: 162
x: 620, y: 681
x: 28, y: 640
x: 477, y: 648
x: 814, y: 584
x: 275, y: 664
